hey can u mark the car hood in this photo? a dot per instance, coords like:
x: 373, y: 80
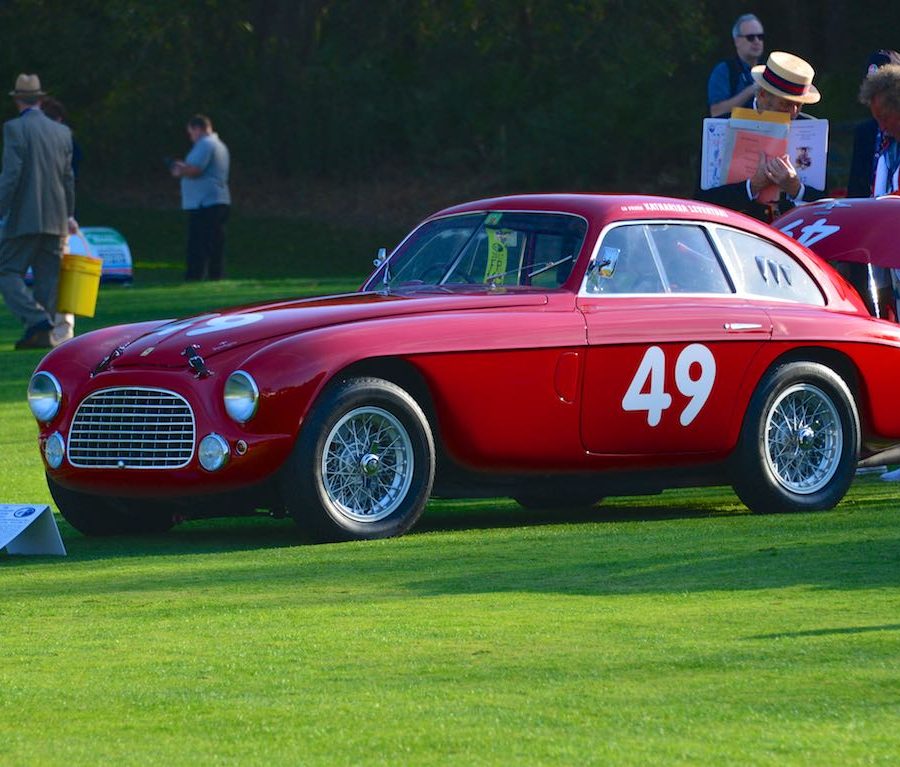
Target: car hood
x: 216, y: 332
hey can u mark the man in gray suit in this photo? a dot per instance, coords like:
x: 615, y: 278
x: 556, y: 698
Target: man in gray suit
x: 37, y: 201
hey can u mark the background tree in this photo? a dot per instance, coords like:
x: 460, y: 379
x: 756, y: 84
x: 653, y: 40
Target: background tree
x: 575, y: 94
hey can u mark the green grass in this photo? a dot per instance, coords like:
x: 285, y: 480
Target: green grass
x: 675, y: 629
x: 256, y: 247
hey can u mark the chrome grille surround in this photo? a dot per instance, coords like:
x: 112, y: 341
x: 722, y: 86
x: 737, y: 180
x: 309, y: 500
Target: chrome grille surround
x: 132, y: 427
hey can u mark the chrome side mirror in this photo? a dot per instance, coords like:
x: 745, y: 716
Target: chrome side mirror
x: 381, y: 257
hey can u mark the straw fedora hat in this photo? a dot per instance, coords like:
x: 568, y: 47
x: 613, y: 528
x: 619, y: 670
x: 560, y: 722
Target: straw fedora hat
x: 27, y: 85
x: 787, y: 76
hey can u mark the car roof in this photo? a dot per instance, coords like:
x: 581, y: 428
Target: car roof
x: 605, y: 208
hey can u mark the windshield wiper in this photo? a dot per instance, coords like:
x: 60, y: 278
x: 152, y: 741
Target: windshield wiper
x: 534, y: 272
x: 491, y: 277
x: 548, y: 267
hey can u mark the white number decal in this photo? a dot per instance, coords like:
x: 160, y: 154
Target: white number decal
x: 209, y: 323
x: 176, y: 327
x: 652, y: 367
x: 225, y: 323
x: 697, y: 389
x: 651, y: 374
x: 812, y: 233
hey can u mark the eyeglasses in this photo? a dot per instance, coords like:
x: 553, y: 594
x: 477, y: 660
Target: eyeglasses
x: 753, y: 38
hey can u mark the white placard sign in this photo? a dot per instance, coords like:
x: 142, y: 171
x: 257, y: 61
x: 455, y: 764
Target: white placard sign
x: 107, y: 245
x: 28, y: 529
x: 807, y: 148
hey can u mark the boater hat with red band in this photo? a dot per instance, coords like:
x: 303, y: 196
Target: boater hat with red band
x: 787, y: 76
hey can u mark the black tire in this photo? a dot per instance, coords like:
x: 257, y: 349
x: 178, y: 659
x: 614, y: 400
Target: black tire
x: 96, y: 515
x: 327, y: 503
x: 809, y: 462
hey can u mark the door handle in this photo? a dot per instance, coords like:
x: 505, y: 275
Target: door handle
x: 737, y: 327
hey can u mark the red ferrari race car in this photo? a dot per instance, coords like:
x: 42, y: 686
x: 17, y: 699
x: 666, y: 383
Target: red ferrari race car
x: 552, y: 348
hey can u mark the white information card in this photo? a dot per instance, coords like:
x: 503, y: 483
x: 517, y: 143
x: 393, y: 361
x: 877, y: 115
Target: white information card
x: 28, y: 529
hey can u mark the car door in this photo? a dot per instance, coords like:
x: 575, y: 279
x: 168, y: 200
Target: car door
x: 669, y: 340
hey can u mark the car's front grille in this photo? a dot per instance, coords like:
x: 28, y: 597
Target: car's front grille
x: 132, y: 428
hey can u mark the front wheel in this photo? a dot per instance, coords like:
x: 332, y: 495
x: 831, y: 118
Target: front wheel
x: 800, y: 441
x: 363, y: 465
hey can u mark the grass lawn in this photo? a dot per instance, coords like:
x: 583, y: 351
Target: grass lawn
x: 675, y: 629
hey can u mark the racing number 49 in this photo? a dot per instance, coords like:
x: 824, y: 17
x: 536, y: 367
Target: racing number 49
x: 647, y: 390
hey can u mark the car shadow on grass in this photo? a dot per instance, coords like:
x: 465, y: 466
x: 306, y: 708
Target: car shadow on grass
x: 215, y: 536
x: 469, y: 515
x: 263, y: 532
x: 237, y: 534
x: 828, y: 632
x: 669, y: 550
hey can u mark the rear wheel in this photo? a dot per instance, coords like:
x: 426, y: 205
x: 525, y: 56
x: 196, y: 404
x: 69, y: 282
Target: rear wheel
x: 363, y: 465
x: 96, y: 515
x: 800, y: 441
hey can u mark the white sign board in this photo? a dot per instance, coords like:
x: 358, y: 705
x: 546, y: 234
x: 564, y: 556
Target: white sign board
x: 107, y: 245
x: 28, y: 529
x: 807, y: 148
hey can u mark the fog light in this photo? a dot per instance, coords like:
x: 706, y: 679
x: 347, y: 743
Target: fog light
x: 54, y: 450
x: 213, y: 452
x: 44, y: 396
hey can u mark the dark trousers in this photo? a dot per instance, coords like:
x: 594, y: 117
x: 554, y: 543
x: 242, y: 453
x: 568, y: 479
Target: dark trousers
x: 206, y: 242
x: 42, y: 253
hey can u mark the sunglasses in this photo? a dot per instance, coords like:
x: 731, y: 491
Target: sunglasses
x: 754, y: 38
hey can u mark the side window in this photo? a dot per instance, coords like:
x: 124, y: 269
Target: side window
x: 625, y: 263
x: 761, y: 269
x: 688, y: 259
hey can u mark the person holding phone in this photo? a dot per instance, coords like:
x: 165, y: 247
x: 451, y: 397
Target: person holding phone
x: 206, y: 197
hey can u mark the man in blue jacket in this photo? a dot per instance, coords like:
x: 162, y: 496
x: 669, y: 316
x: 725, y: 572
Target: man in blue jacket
x: 731, y: 83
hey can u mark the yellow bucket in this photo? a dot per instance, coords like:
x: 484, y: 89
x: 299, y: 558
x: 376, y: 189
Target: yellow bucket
x: 79, y: 283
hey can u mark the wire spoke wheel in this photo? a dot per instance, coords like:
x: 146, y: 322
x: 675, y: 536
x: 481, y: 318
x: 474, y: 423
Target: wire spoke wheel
x: 367, y: 464
x: 363, y: 464
x: 803, y: 439
x: 800, y: 441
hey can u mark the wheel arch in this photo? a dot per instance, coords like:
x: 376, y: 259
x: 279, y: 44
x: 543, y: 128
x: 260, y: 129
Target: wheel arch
x: 304, y: 493
x: 833, y: 359
x: 840, y: 363
x: 404, y: 374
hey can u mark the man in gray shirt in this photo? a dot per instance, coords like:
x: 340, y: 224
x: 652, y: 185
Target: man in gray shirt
x: 205, y: 196
x: 37, y: 201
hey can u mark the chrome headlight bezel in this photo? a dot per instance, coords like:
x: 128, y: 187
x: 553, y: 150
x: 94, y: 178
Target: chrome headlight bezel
x: 241, y: 396
x: 213, y: 452
x: 55, y: 450
x: 44, y: 396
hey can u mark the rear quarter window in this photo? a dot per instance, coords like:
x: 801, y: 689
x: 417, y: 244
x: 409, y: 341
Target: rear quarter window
x: 762, y: 269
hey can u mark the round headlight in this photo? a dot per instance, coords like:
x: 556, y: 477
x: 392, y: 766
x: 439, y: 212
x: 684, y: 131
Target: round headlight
x: 54, y: 450
x: 44, y: 396
x: 213, y: 452
x: 241, y: 396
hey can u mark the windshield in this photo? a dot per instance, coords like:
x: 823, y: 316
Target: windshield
x: 490, y: 248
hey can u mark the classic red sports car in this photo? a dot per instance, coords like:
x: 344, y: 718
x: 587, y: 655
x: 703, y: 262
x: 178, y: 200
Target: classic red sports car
x: 552, y: 348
